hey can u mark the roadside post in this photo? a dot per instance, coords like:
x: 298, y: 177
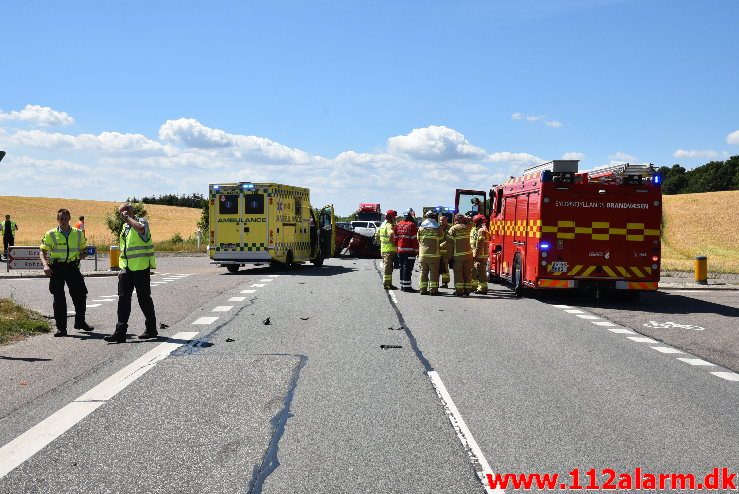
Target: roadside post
x: 92, y: 251
x: 114, y: 255
x: 24, y: 258
x: 701, y: 270
x: 198, y: 236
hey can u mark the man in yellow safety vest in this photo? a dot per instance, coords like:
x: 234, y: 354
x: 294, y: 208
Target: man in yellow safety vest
x: 386, y: 236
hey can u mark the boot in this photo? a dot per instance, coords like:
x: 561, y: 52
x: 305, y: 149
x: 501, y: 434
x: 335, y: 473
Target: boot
x: 84, y: 327
x: 60, y: 332
x: 116, y: 337
x: 424, y: 292
x: 390, y: 287
x: 149, y: 333
x: 434, y: 292
x: 457, y: 293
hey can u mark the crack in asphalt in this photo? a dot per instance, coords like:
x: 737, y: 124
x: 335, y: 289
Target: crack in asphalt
x: 270, y: 461
x: 411, y: 337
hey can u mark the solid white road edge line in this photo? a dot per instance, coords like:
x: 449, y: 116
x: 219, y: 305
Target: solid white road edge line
x: 23, y: 447
x: 465, y: 436
x: 392, y: 297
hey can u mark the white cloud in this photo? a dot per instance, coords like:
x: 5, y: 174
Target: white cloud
x: 434, y: 143
x: 621, y: 157
x: 41, y: 115
x: 733, y: 138
x: 419, y: 168
x: 536, y: 118
x: 573, y: 155
x: 705, y: 153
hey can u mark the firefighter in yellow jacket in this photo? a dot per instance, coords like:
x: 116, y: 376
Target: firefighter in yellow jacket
x: 386, y: 236
x: 444, y: 227
x: 428, y: 242
x: 461, y: 253
x: 479, y: 240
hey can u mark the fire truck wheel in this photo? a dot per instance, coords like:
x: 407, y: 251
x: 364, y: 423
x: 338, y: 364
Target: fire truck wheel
x: 492, y: 277
x: 517, y: 277
x: 233, y: 268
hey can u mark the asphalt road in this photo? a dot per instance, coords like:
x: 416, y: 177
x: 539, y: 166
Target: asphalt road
x: 352, y: 389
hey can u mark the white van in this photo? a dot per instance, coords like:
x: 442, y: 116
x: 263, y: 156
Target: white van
x: 366, y: 228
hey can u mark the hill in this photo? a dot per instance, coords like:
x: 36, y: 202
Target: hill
x: 35, y: 215
x: 701, y: 224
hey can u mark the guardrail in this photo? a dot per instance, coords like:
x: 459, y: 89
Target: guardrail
x: 24, y: 257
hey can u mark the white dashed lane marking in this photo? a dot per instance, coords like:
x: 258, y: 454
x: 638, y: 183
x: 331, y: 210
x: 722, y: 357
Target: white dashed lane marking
x: 258, y: 285
x: 392, y: 297
x: 641, y: 339
x: 729, y: 376
x: 206, y: 320
x: 222, y: 308
x: 236, y: 299
x: 248, y: 291
x: 90, y: 306
x: 667, y: 350
x: 267, y: 279
x: 696, y: 361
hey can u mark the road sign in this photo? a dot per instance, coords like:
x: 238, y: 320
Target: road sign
x: 23, y: 252
x: 25, y: 264
x: 91, y: 250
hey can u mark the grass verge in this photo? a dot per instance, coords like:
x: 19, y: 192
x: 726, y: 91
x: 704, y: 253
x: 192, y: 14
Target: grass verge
x: 17, y: 322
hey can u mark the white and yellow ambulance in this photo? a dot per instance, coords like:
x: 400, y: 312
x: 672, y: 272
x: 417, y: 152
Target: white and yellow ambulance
x: 267, y: 222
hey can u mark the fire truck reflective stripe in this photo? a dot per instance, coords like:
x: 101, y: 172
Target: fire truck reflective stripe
x: 652, y: 233
x: 635, y: 238
x: 635, y: 226
x: 600, y: 236
x: 617, y: 231
x: 623, y: 272
x: 610, y: 272
x: 583, y: 229
x: 637, y: 272
x: 566, y: 223
x: 588, y: 271
x: 556, y: 283
x: 567, y: 236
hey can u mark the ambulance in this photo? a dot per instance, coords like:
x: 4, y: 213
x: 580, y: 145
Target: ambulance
x: 253, y: 223
x: 557, y: 228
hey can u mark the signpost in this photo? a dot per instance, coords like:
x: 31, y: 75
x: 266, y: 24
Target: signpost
x: 24, y: 258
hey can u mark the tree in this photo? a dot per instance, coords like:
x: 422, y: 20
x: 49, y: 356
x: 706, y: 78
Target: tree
x: 115, y: 222
x: 673, y: 179
x: 204, y: 221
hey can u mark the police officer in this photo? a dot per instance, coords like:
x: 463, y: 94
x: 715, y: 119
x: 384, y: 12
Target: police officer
x: 8, y: 228
x: 461, y: 252
x: 444, y: 227
x: 428, y: 244
x: 136, y: 260
x: 61, y: 250
x: 406, y: 242
x: 479, y: 241
x: 386, y: 236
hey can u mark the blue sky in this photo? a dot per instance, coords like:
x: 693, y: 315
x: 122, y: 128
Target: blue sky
x: 363, y: 101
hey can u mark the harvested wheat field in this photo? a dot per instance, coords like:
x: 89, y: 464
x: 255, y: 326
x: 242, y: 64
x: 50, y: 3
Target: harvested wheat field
x: 701, y: 224
x: 35, y: 215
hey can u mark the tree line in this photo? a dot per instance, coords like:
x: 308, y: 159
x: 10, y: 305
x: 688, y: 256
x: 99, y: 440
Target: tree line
x: 711, y: 177
x: 194, y: 200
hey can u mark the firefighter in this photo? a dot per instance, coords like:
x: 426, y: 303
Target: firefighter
x: 444, y: 250
x: 61, y: 251
x: 479, y: 241
x: 461, y: 253
x: 406, y: 242
x: 428, y: 242
x: 386, y: 237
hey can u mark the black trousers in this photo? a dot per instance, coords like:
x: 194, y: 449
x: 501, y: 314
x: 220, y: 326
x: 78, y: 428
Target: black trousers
x: 69, y: 273
x: 406, y: 262
x: 7, y: 242
x: 141, y: 281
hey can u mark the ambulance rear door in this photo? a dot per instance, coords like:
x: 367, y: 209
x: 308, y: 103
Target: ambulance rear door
x: 227, y: 225
x: 255, y: 226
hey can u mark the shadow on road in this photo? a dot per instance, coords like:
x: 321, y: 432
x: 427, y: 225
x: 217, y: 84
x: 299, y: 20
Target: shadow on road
x: 654, y: 302
x: 25, y: 359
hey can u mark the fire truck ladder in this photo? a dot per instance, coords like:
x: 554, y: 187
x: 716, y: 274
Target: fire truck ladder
x: 620, y: 172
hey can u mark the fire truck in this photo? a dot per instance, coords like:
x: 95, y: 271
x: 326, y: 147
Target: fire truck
x: 557, y: 228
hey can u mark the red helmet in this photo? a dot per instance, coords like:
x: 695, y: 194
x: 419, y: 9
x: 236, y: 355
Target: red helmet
x: 478, y: 217
x: 391, y: 212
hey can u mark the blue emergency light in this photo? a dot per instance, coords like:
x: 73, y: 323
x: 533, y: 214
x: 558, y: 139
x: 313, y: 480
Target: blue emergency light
x: 657, y: 179
x: 247, y: 186
x: 543, y: 246
x: 216, y: 187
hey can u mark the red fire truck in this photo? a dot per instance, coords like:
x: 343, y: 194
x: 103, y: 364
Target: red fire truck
x: 555, y: 227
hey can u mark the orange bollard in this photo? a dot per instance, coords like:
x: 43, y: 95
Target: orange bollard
x: 701, y: 270
x: 115, y: 254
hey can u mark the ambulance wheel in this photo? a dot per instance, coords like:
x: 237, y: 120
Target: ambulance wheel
x: 233, y: 268
x: 517, y: 278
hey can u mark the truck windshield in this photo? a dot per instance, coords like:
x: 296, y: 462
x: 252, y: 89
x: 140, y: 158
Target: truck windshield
x: 472, y: 204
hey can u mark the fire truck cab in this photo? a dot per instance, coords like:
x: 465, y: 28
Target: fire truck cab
x: 555, y: 227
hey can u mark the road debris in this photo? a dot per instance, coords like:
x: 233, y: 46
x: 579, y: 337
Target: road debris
x: 230, y: 340
x: 385, y: 347
x: 266, y: 322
